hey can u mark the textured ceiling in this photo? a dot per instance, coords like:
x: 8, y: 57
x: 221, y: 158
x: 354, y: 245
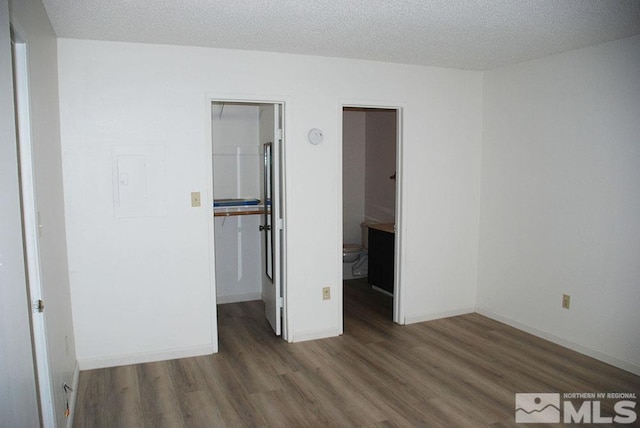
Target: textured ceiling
x: 467, y: 34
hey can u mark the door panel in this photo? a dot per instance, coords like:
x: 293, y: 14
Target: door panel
x: 272, y: 216
x: 18, y: 393
x: 31, y: 234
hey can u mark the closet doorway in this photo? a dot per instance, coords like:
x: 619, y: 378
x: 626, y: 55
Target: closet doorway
x: 371, y: 201
x: 248, y: 193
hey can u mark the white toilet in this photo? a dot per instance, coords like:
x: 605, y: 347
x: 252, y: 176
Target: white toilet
x: 351, y: 252
x: 355, y: 258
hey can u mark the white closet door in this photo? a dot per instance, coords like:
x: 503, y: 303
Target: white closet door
x: 272, y: 226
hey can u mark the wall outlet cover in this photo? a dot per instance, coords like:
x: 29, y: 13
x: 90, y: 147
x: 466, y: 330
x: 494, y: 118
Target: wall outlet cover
x: 195, y: 199
x: 566, y: 301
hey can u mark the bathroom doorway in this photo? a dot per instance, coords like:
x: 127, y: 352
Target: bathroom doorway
x: 371, y: 196
x: 248, y: 207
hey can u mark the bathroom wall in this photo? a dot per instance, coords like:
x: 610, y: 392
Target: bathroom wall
x: 353, y: 175
x: 380, y: 165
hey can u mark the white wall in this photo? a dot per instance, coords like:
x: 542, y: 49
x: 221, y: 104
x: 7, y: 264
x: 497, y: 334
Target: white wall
x: 30, y: 19
x: 238, y: 258
x: 353, y: 175
x: 236, y: 151
x: 560, y: 208
x: 151, y: 275
x: 380, y: 165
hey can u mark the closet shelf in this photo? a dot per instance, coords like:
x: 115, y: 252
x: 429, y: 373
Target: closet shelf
x: 228, y: 213
x: 235, y: 202
x: 240, y: 206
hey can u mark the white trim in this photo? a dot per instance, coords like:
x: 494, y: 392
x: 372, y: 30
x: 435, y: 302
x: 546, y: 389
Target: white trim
x: 235, y: 298
x: 624, y: 365
x: 316, y: 334
x: 146, y: 357
x: 398, y: 289
x: 339, y: 259
x: 73, y: 395
x: 398, y: 299
x: 286, y: 310
x: 32, y: 228
x: 413, y: 319
x: 207, y: 203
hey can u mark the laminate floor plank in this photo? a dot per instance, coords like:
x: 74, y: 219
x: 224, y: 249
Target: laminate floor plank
x: 234, y: 412
x: 322, y: 387
x: 201, y: 410
x: 185, y: 375
x: 351, y: 392
x: 123, y: 395
x: 323, y: 407
x: 454, y: 372
x: 158, y: 395
x: 231, y: 394
x: 90, y: 411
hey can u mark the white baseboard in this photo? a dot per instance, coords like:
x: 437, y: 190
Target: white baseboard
x: 235, y: 298
x: 412, y: 319
x: 315, y: 334
x: 122, y: 360
x: 73, y: 395
x: 624, y: 365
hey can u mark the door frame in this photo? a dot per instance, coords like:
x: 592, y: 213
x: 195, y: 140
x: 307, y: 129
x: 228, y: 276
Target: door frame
x: 398, y: 295
x: 208, y: 202
x: 31, y: 225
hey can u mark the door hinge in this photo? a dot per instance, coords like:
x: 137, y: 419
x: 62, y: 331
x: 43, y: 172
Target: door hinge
x: 280, y: 302
x: 38, y: 305
x: 280, y: 224
x: 40, y: 226
x: 278, y: 134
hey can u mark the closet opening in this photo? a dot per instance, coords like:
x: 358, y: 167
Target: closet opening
x: 371, y: 179
x: 248, y: 207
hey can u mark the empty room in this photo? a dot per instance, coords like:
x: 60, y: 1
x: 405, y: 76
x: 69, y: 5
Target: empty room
x: 336, y: 213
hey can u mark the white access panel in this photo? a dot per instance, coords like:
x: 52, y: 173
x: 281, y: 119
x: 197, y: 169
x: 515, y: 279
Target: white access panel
x: 139, y: 181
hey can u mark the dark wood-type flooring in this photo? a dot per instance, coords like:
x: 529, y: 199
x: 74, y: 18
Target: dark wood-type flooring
x: 455, y: 372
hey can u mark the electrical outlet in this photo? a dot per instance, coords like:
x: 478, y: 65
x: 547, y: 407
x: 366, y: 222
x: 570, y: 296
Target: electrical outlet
x: 326, y: 293
x: 195, y: 199
x: 566, y: 301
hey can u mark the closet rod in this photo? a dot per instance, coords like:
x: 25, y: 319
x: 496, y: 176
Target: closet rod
x: 234, y: 213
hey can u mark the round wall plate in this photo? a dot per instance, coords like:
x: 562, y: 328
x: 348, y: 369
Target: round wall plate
x: 316, y: 136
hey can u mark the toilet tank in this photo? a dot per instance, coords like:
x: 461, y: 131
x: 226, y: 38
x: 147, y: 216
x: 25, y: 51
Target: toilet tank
x: 364, y: 226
